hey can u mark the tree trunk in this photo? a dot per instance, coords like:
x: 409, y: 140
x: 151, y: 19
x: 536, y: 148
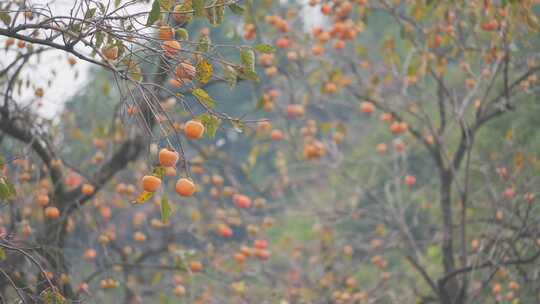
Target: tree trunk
x: 449, y: 289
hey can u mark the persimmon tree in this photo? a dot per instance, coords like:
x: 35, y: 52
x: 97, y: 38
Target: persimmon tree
x: 159, y: 69
x: 382, y: 176
x: 390, y: 100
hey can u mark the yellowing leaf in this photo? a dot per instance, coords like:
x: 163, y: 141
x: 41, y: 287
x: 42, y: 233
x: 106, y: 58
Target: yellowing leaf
x: 156, y: 279
x: 509, y: 135
x: 519, y: 159
x: 203, y: 97
x: 196, y: 215
x: 264, y: 48
x: 239, y: 287
x: 143, y: 197
x: 204, y: 71
x: 198, y: 7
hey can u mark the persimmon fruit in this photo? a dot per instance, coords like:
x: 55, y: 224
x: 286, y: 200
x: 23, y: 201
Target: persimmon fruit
x: 194, y: 129
x: 185, y: 187
x: 151, y: 183
x: 167, y: 157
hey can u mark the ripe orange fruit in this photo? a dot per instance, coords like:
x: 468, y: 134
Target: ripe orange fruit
x: 43, y: 200
x: 168, y: 158
x: 193, y: 129
x: 410, y: 180
x: 246, y: 251
x: 87, y: 189
x: 381, y: 148
x: 170, y: 171
x: 277, y: 135
x: 184, y: 71
x: 195, y: 266
x: 489, y: 26
x: 239, y: 258
x: 260, y: 244
x: 242, y: 201
x: 398, y: 127
x: 367, y: 107
x: 317, y: 50
x: 185, y: 187
x: 106, y: 212
x: 179, y: 290
x: 283, y: 43
x: 225, y: 231
x: 151, y: 183
x: 90, y: 254
x: 171, y: 47
x: 262, y: 254
x: 166, y: 33
x: 139, y: 237
x: 52, y: 212
x: 339, y: 45
x: 326, y: 9
x: 509, y: 192
x: 176, y: 83
x: 295, y: 110
x: 330, y: 87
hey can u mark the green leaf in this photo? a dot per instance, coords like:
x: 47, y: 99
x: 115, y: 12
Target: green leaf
x: 90, y: 13
x: 117, y: 3
x: 143, y: 197
x: 165, y: 210
x: 198, y: 7
x: 211, y: 124
x: 247, y: 75
x: 185, y: 11
x: 5, y: 17
x: 204, y: 44
x: 247, y: 57
x: 2, y: 254
x: 155, y: 12
x: 216, y: 13
x: 204, y: 71
x: 237, y: 9
x: 230, y: 75
x: 99, y: 39
x: 264, y: 48
x: 135, y: 73
x: 2, y: 162
x: 53, y: 297
x: 159, y: 171
x: 167, y: 4
x: 182, y: 34
x: 7, y: 190
x: 203, y: 97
